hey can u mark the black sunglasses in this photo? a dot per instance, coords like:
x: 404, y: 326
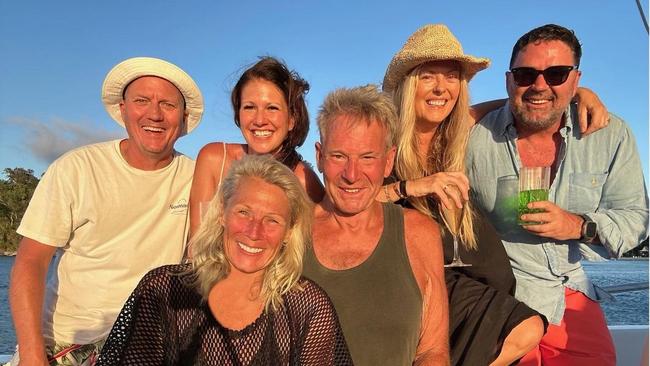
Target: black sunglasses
x: 554, y: 75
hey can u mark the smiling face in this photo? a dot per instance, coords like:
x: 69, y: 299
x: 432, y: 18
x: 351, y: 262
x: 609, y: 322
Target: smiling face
x: 438, y: 86
x: 264, y: 117
x: 354, y: 161
x: 540, y: 106
x: 256, y: 221
x: 153, y: 111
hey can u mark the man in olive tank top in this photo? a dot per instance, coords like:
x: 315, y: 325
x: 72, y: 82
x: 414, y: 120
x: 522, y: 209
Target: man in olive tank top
x: 380, y: 264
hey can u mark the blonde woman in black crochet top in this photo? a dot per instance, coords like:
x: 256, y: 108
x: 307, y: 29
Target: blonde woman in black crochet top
x: 241, y: 300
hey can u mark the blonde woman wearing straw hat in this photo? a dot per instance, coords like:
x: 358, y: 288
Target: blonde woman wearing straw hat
x: 429, y: 79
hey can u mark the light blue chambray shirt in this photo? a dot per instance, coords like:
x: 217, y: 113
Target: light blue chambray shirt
x: 599, y: 175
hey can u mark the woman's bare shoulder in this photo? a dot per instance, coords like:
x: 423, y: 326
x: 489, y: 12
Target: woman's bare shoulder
x: 214, y: 151
x: 304, y: 169
x: 310, y: 181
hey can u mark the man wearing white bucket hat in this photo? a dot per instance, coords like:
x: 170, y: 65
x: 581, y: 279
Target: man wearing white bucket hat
x: 109, y: 212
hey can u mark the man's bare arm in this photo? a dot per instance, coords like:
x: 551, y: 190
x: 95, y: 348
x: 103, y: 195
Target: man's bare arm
x: 424, y: 247
x: 26, y: 294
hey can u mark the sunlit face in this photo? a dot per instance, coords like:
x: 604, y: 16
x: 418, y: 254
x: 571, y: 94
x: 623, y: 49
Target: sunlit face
x: 153, y: 111
x: 354, y: 161
x: 438, y: 86
x: 264, y: 117
x: 256, y: 221
x: 540, y: 105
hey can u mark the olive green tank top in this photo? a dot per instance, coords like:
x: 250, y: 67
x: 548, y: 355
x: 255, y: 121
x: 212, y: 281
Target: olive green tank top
x: 378, y: 302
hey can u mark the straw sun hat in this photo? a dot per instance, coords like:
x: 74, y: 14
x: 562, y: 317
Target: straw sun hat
x: 126, y: 71
x: 433, y: 42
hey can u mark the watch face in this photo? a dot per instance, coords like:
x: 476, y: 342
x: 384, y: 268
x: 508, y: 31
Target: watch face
x: 590, y: 229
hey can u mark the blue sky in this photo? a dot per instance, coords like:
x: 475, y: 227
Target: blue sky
x: 55, y: 56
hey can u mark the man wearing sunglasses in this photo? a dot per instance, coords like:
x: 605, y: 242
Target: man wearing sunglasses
x: 597, y: 203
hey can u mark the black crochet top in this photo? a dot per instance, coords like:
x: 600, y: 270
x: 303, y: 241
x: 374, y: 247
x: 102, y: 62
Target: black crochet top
x: 165, y: 322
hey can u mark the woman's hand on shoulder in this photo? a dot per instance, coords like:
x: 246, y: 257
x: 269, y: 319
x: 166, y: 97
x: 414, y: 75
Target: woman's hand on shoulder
x: 592, y: 113
x: 448, y: 188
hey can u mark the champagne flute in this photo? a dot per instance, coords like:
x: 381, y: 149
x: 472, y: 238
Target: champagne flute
x: 454, y: 228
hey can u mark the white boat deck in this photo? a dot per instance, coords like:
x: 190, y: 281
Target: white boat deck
x: 631, y: 344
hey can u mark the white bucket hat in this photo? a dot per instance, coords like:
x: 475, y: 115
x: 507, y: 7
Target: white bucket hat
x: 128, y: 70
x: 432, y: 42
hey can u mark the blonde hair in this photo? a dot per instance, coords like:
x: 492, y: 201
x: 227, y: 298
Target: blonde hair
x: 363, y: 103
x: 446, y: 150
x: 209, y: 261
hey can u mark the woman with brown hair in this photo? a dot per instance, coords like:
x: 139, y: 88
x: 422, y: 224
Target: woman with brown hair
x: 269, y: 108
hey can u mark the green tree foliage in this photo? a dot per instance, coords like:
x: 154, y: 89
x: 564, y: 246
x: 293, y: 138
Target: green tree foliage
x: 15, y: 192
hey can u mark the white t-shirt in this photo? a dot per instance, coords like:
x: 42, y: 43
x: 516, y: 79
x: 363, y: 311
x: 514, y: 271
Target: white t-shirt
x: 112, y: 224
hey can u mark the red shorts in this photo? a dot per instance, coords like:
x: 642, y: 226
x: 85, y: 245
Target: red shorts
x: 582, y: 338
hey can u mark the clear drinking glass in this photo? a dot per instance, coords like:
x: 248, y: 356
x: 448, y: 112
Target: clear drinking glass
x: 454, y: 228
x: 534, y: 183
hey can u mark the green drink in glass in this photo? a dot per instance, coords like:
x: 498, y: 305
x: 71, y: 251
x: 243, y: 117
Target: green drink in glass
x: 533, y: 186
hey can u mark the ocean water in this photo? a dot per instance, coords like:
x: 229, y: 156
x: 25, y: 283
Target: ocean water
x: 7, y: 335
x: 628, y: 308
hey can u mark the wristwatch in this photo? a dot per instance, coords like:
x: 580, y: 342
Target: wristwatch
x: 589, y: 230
